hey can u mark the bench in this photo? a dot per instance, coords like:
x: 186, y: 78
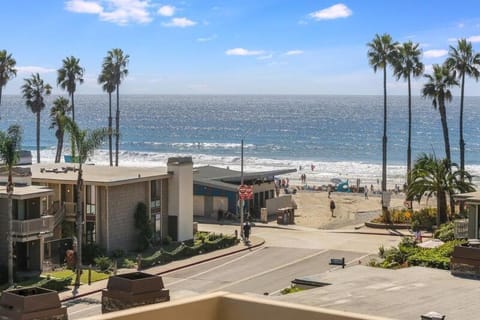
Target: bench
x: 338, y: 262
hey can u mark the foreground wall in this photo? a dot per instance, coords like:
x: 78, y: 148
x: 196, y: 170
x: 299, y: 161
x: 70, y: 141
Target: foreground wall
x: 225, y: 306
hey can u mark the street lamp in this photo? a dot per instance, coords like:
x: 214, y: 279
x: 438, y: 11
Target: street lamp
x: 241, y: 200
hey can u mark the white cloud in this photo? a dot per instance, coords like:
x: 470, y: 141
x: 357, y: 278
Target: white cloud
x: 435, y: 53
x: 293, y: 52
x: 167, y: 11
x: 121, y: 12
x: 81, y: 6
x: 34, y: 69
x: 334, y: 12
x: 206, y: 39
x: 180, y: 23
x: 243, y: 52
x: 474, y: 39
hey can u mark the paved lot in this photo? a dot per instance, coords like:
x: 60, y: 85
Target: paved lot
x: 399, y: 294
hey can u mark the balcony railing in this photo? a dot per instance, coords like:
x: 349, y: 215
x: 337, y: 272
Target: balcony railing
x: 23, y: 228
x: 70, y: 209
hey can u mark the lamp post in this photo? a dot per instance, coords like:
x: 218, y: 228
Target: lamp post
x: 241, y: 200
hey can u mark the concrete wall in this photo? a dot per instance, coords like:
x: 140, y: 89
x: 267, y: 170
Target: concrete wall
x: 472, y: 221
x: 122, y: 202
x: 180, y: 195
x: 224, y: 306
x: 280, y: 202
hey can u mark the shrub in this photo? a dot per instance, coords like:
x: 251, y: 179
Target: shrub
x: 103, y: 263
x: 167, y: 240
x: 143, y: 225
x: 425, y: 217
x: 127, y: 263
x: 291, y: 289
x: 446, y: 232
x: 90, y: 252
x: 118, y: 253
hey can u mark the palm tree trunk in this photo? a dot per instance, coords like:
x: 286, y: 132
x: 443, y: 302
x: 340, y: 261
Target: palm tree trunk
x: 384, y: 145
x: 443, y: 118
x: 409, y: 144
x: 441, y: 208
x: 110, y: 128
x: 38, y: 137
x: 462, y: 142
x: 73, y: 107
x: 1, y: 90
x: 60, y: 146
x: 117, y: 127
x: 10, y: 227
x: 79, y: 224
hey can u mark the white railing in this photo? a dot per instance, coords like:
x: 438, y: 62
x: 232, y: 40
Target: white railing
x: 461, y: 229
x: 40, y: 225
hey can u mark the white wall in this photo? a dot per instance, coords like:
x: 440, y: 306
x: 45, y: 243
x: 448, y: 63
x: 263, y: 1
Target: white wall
x: 180, y: 195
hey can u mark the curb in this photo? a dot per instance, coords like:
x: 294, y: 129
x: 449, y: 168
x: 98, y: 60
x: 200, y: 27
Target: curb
x: 261, y: 243
x: 381, y: 234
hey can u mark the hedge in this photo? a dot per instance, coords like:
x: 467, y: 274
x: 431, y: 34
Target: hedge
x: 184, y: 251
x: 54, y: 283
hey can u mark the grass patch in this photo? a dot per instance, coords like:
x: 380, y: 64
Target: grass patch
x: 96, y: 276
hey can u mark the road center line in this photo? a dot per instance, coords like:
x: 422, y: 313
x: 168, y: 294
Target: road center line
x: 268, y: 271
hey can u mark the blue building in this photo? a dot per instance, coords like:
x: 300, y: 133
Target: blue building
x: 216, y: 190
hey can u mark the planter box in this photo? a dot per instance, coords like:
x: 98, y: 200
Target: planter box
x: 132, y: 290
x: 31, y: 303
x: 465, y: 262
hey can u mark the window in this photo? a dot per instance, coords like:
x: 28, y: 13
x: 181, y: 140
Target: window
x: 90, y: 232
x: 156, y: 194
x: 91, y: 200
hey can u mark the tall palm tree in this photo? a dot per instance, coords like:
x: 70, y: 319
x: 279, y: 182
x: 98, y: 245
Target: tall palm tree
x: 85, y: 142
x: 106, y: 80
x: 406, y: 66
x: 439, y: 177
x: 57, y: 113
x: 117, y: 62
x: 68, y: 76
x: 466, y: 62
x: 9, y: 145
x: 382, y: 52
x: 7, y: 69
x: 34, y: 89
x: 438, y: 89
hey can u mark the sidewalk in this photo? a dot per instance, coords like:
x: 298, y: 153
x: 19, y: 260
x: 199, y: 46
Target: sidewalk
x: 85, y: 290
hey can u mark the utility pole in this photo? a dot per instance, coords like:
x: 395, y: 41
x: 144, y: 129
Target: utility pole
x: 241, y: 200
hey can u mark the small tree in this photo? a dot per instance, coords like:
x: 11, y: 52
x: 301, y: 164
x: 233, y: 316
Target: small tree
x: 142, y: 224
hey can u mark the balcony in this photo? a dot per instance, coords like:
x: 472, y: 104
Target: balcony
x: 70, y: 210
x: 27, y: 230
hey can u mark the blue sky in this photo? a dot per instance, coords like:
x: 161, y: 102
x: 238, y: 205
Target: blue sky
x: 231, y: 47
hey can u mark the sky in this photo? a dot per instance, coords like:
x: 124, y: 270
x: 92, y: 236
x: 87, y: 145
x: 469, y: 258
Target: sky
x: 232, y: 47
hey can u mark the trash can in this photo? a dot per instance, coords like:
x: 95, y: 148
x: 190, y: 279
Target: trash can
x: 291, y: 219
x: 263, y: 215
x: 281, y: 216
x: 432, y: 315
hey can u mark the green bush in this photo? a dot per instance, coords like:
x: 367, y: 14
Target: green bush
x: 103, y: 263
x: 446, y: 232
x: 143, y: 226
x: 118, y: 253
x: 127, y: 263
x: 291, y: 289
x: 90, y: 252
x: 425, y: 218
x: 184, y: 251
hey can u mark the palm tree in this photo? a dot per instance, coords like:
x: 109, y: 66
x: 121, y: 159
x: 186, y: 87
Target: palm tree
x: 57, y: 113
x: 117, y: 62
x: 9, y: 146
x: 106, y: 80
x: 7, y: 69
x: 33, y: 91
x: 68, y: 76
x: 85, y: 142
x: 381, y: 52
x: 432, y: 176
x: 406, y: 66
x: 438, y: 89
x: 465, y: 61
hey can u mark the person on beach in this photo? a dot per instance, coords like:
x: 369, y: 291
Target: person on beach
x: 366, y: 192
x: 332, y: 207
x: 329, y: 191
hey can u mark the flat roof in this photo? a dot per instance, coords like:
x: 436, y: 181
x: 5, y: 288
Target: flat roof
x: 26, y: 192
x: 468, y: 197
x: 95, y: 174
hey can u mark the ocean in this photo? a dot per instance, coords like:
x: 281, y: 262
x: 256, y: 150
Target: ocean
x: 339, y: 135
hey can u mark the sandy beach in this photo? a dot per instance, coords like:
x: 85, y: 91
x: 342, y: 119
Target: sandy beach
x: 352, y: 209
